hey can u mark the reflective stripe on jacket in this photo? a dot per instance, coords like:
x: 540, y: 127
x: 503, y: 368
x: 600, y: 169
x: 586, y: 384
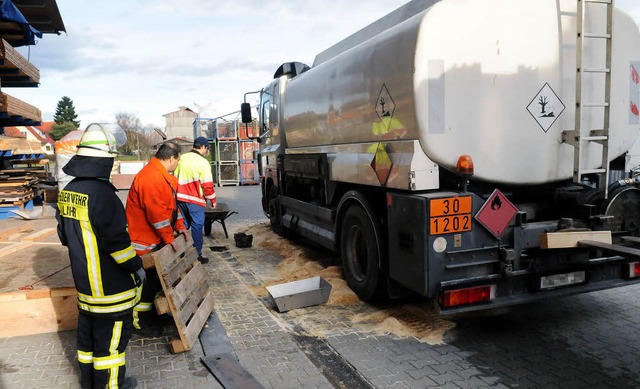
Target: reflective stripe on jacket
x: 195, y: 181
x: 93, y: 226
x: 152, y: 208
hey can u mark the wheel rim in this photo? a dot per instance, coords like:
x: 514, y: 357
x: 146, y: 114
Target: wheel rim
x: 357, y: 249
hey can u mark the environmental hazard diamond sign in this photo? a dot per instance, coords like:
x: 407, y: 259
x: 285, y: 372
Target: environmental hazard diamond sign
x: 546, y: 107
x: 496, y: 213
x: 385, y: 106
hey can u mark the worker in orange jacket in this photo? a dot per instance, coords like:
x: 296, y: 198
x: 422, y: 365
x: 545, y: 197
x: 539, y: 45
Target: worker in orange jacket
x: 154, y: 219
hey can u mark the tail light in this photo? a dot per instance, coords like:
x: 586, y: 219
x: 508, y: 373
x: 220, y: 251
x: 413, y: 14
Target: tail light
x: 476, y: 294
x: 633, y: 269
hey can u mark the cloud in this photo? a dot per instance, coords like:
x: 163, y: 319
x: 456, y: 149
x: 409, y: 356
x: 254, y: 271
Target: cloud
x: 149, y: 57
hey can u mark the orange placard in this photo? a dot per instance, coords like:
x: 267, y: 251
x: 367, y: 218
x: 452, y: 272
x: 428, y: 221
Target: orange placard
x: 449, y: 206
x: 450, y: 224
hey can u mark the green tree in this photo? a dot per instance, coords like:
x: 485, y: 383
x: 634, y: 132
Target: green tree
x: 66, y: 112
x: 60, y: 130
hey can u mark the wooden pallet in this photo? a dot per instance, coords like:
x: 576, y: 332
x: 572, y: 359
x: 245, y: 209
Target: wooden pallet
x: 187, y: 295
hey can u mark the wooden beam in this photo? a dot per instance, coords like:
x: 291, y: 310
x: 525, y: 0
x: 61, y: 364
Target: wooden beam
x: 559, y: 240
x: 38, y: 311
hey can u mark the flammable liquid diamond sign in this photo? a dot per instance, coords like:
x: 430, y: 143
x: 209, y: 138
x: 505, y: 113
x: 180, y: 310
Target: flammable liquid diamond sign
x: 496, y: 213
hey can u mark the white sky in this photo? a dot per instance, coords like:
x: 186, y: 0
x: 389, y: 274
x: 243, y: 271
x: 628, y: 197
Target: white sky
x: 148, y: 57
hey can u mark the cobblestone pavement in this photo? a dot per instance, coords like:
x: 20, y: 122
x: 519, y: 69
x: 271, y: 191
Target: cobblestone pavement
x: 585, y: 341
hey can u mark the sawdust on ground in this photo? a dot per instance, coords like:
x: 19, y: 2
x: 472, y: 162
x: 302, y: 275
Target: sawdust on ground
x: 300, y: 262
x: 420, y: 321
x: 409, y: 320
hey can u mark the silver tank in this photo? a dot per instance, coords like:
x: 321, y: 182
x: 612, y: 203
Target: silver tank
x: 494, y: 79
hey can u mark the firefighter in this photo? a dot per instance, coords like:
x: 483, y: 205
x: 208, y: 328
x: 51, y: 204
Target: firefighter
x: 153, y: 217
x: 195, y: 188
x: 107, y: 272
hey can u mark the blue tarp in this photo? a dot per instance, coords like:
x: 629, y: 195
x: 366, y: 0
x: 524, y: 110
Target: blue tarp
x: 10, y: 13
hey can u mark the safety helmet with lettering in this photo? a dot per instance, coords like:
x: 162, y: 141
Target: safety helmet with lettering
x: 101, y: 140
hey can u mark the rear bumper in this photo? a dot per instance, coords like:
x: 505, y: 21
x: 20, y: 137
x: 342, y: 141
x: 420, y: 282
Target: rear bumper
x: 524, y: 287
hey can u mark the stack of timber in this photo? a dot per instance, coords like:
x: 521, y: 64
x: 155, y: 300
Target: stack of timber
x: 19, y: 185
x: 16, y: 109
x: 17, y: 191
x: 15, y: 69
x: 37, y: 293
x: 187, y: 295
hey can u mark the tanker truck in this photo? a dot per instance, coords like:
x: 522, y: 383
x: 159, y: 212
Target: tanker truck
x: 470, y: 151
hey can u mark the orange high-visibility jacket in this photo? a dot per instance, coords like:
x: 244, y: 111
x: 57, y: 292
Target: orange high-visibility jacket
x: 152, y: 208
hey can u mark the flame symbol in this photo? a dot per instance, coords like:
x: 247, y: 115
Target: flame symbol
x: 634, y: 109
x: 496, y: 203
x: 634, y: 75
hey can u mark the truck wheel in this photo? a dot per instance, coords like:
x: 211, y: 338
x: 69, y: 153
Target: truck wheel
x: 360, y: 256
x: 274, y: 210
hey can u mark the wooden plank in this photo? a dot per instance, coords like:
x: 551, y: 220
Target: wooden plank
x: 148, y: 261
x: 198, y: 321
x: 13, y: 248
x: 40, y: 234
x: 38, y: 312
x: 165, y: 257
x: 180, y: 268
x: 181, y: 292
x: 188, y: 309
x: 38, y: 266
x: 162, y: 305
x: 557, y: 240
x: 5, y: 233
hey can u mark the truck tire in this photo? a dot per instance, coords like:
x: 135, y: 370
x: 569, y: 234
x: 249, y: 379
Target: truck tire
x: 360, y: 254
x: 273, y: 207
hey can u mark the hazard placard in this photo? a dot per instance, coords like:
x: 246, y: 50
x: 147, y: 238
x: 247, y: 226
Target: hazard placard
x: 496, y: 213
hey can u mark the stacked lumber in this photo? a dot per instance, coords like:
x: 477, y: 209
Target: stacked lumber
x: 17, y: 108
x: 16, y: 191
x: 16, y: 66
x: 19, y: 148
x: 19, y: 185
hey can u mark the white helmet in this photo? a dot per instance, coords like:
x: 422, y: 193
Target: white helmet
x: 101, y: 140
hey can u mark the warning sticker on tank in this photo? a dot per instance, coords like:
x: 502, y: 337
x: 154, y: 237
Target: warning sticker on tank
x: 546, y: 107
x: 634, y: 93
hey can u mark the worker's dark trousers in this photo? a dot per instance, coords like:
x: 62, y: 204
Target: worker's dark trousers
x: 101, y: 345
x: 144, y: 314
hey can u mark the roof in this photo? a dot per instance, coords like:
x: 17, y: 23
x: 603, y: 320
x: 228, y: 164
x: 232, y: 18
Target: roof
x: 182, y: 108
x: 21, y: 21
x: 43, y: 15
x: 14, y: 132
x: 39, y: 135
x: 20, y: 132
x: 159, y: 132
x: 46, y: 127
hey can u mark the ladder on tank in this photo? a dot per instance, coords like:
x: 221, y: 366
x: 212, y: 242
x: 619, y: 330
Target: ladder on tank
x: 581, y: 136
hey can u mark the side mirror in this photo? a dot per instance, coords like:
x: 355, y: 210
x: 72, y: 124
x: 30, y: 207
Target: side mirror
x: 245, y: 110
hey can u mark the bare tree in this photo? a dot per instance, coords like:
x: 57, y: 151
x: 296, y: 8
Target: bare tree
x: 543, y: 101
x: 137, y: 141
